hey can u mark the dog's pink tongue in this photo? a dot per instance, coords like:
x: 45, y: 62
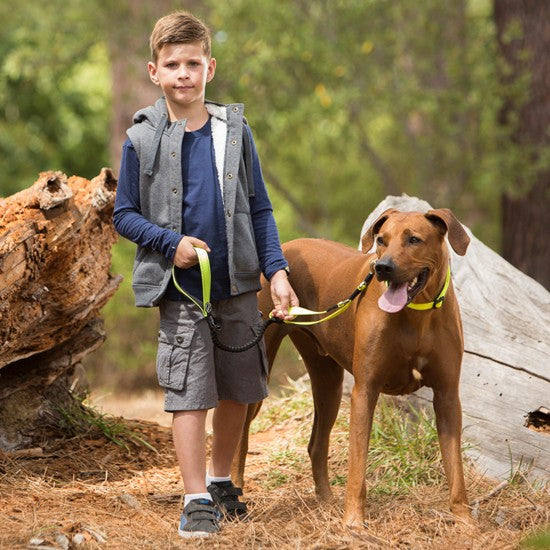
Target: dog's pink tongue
x: 394, y: 299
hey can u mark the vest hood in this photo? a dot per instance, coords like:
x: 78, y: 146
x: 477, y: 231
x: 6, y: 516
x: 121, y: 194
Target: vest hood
x: 156, y: 116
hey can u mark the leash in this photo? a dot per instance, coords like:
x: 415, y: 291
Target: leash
x: 206, y: 307
x: 336, y: 309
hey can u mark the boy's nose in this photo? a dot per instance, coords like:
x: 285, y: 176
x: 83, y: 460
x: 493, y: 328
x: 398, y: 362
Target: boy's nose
x: 183, y: 73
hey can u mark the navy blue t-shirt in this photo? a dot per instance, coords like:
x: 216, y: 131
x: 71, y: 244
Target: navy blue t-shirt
x: 202, y: 213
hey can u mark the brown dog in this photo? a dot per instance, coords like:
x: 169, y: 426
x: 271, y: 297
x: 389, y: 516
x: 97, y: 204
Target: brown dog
x: 387, y: 346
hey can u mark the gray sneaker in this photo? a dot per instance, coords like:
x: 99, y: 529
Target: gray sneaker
x: 226, y: 497
x: 200, y: 518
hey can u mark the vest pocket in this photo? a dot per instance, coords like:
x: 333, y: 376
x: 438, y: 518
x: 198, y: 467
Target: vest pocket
x: 245, y: 257
x: 173, y: 359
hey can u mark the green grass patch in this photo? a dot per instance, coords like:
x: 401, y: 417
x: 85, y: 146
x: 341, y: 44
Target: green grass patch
x: 403, y: 453
x: 82, y: 420
x: 295, y: 402
x: 289, y: 463
x: 537, y: 541
x: 404, y: 449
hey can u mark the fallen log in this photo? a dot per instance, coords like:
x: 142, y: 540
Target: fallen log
x: 505, y: 379
x: 55, y: 256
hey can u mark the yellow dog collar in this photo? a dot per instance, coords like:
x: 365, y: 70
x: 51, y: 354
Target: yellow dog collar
x: 438, y: 302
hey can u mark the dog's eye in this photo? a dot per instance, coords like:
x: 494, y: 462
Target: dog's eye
x: 379, y: 241
x: 414, y: 240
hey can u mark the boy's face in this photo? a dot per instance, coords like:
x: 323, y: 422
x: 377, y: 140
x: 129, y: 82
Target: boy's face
x: 182, y: 71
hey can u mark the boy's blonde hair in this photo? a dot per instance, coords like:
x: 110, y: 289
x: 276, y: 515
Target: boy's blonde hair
x: 179, y: 28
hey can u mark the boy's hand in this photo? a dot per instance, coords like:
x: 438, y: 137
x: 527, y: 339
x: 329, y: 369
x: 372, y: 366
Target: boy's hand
x: 282, y: 295
x: 185, y: 256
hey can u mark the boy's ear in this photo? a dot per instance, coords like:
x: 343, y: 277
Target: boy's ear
x: 211, y: 71
x: 152, y: 68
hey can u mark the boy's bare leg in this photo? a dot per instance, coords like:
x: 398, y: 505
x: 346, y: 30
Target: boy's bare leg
x: 188, y: 429
x: 227, y: 424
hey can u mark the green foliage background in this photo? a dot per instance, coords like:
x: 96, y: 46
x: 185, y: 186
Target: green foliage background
x: 349, y: 101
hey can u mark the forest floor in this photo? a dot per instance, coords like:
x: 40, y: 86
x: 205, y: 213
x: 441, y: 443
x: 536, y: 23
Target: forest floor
x: 87, y: 492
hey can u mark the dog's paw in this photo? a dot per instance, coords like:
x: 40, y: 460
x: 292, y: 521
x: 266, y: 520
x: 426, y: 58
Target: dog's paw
x: 354, y: 520
x: 463, y: 513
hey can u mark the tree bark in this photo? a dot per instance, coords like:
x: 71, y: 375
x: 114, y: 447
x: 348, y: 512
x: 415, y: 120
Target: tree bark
x: 525, y: 241
x: 55, y: 244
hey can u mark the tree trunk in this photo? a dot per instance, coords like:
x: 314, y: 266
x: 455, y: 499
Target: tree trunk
x: 55, y: 244
x: 525, y: 241
x: 129, y: 51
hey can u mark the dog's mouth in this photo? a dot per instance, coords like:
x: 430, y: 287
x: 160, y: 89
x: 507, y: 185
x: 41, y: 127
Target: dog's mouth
x: 399, y: 295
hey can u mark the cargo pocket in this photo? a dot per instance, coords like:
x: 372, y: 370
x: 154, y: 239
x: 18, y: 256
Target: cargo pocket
x: 173, y: 359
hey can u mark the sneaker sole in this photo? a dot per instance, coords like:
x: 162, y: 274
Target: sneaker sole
x: 195, y: 534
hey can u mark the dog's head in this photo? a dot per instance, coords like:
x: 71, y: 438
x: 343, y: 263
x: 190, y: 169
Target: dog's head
x: 410, y: 247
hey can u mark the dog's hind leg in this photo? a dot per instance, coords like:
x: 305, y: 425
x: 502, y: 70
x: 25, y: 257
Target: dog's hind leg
x: 273, y: 338
x: 326, y: 383
x: 239, y: 460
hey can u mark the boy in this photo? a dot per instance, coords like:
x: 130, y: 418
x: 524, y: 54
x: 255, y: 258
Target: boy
x: 184, y: 183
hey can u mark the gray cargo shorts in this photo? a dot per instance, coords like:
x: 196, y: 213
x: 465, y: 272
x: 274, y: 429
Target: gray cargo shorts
x: 194, y: 373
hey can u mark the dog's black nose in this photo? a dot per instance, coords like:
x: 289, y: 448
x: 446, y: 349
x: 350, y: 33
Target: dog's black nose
x: 384, y: 269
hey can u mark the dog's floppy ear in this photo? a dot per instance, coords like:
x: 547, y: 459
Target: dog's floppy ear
x: 444, y: 218
x: 368, y: 238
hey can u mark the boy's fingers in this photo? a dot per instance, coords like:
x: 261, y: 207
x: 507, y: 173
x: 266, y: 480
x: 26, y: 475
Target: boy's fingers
x: 283, y: 297
x: 198, y: 243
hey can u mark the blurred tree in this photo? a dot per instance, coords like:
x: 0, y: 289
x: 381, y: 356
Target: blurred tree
x: 524, y: 40
x: 54, y: 92
x: 126, y: 28
x: 351, y: 101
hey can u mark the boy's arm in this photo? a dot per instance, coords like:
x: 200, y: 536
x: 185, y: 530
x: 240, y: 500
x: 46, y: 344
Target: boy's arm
x: 131, y: 224
x: 266, y: 234
x: 283, y: 295
x: 127, y: 216
x: 268, y: 246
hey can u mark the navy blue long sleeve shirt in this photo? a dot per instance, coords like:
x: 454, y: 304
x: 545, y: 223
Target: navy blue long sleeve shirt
x: 202, y: 215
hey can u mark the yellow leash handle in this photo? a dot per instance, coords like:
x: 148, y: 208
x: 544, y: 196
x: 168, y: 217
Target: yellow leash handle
x: 206, y: 280
x: 298, y: 311
x: 336, y: 310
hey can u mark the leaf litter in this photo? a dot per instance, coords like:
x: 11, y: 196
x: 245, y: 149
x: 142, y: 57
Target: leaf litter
x: 89, y: 493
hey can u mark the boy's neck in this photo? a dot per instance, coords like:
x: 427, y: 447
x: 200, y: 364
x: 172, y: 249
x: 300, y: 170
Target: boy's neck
x: 196, y: 115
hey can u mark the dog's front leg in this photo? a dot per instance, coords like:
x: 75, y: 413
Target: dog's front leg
x: 363, y: 402
x: 448, y: 414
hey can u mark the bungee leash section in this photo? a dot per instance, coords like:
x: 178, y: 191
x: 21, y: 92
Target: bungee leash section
x: 206, y: 307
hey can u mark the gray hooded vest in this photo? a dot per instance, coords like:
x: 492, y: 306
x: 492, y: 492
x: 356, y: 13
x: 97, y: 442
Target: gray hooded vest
x: 158, y: 146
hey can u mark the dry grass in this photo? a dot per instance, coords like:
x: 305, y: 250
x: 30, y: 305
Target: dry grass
x: 117, y: 498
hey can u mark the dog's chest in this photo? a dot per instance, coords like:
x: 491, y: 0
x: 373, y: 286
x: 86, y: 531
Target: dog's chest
x: 406, y: 374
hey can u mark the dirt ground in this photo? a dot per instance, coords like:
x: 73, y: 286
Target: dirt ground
x: 89, y: 493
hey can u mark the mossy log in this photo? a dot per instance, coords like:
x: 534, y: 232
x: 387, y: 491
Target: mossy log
x: 55, y: 257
